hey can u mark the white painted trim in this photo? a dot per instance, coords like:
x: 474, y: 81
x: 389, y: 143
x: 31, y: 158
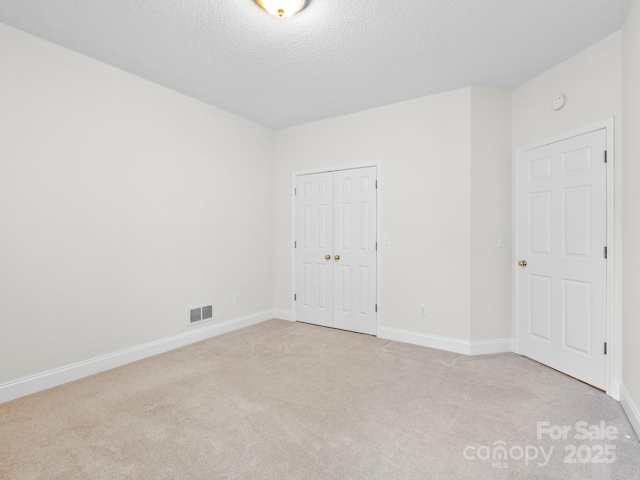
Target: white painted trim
x: 350, y: 166
x: 611, y: 263
x: 486, y: 347
x: 293, y: 248
x: 631, y: 409
x: 608, y: 125
x: 592, y: 127
x: 444, y: 343
x: 283, y: 315
x: 335, y: 168
x: 53, y: 378
x: 379, y: 302
x: 615, y: 390
x: 424, y: 340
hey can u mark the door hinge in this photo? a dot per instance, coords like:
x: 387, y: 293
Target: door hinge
x: 376, y: 307
x: 605, y: 348
x: 295, y: 244
x: 295, y: 191
x: 605, y: 252
x: 376, y: 183
x: 605, y: 156
x: 376, y: 245
x: 295, y: 297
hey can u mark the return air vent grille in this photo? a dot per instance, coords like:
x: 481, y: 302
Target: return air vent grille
x: 200, y: 314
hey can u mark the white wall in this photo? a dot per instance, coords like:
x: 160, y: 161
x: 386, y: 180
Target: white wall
x: 631, y: 214
x: 491, y: 266
x: 591, y: 82
x: 425, y: 149
x: 122, y: 203
x: 423, y: 146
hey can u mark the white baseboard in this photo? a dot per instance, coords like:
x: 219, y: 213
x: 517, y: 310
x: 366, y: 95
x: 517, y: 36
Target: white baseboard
x: 486, y: 347
x: 284, y: 315
x: 614, y: 391
x: 631, y: 409
x: 443, y: 343
x: 53, y: 378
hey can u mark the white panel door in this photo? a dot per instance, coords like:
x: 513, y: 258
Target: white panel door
x: 561, y: 235
x: 314, y: 242
x: 336, y: 275
x: 354, y: 242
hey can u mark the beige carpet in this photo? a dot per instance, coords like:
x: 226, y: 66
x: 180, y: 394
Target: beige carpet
x: 285, y: 400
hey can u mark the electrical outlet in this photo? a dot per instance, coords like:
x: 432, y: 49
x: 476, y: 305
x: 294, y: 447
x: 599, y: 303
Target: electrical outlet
x: 237, y: 298
x: 423, y: 309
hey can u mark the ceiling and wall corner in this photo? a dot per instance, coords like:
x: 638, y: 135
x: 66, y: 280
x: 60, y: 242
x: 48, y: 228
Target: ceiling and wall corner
x: 332, y: 58
x: 595, y: 69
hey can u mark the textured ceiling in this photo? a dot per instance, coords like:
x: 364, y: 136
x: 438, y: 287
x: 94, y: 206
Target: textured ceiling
x: 334, y: 57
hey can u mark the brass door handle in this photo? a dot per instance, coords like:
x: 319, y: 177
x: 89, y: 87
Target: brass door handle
x: 522, y: 263
x: 337, y: 257
x: 327, y: 257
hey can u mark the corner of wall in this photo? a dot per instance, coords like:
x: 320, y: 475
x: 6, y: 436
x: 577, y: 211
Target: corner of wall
x: 630, y: 326
x: 490, y: 215
x: 631, y: 409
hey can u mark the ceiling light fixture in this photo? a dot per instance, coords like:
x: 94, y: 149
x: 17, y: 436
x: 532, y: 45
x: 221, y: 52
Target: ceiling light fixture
x: 282, y: 8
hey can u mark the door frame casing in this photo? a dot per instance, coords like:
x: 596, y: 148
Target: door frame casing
x: 350, y: 166
x: 608, y: 125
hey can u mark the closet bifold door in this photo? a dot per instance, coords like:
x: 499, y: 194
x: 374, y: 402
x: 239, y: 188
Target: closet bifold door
x: 336, y: 264
x: 314, y: 239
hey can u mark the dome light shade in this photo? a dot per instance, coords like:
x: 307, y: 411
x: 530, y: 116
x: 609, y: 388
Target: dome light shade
x: 282, y: 8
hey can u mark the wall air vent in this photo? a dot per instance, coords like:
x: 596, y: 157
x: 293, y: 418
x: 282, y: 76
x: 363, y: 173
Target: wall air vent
x: 200, y: 314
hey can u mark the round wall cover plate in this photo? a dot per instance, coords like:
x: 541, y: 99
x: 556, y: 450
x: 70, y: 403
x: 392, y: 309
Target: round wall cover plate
x: 559, y: 102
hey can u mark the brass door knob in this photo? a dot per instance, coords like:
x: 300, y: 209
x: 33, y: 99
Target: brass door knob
x: 337, y: 257
x: 327, y: 257
x: 522, y: 263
